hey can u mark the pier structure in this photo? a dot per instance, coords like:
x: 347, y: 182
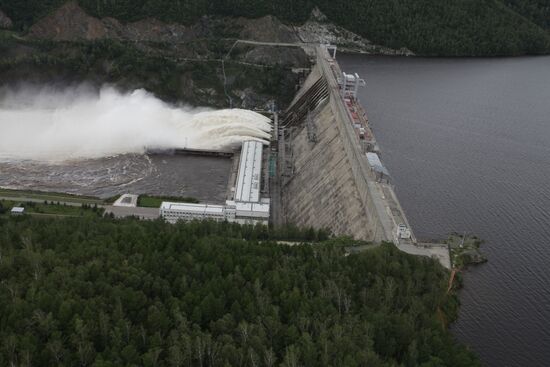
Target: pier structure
x: 205, y: 152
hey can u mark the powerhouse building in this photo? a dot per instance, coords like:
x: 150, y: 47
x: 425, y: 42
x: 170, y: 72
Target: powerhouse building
x: 246, y: 206
x: 173, y: 212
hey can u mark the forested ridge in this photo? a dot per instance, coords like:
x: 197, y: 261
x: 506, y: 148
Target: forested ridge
x: 104, y: 292
x: 427, y: 27
x: 537, y: 11
x: 123, y: 64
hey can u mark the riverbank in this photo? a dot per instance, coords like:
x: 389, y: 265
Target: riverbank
x: 34, y: 196
x: 465, y: 250
x: 25, y: 195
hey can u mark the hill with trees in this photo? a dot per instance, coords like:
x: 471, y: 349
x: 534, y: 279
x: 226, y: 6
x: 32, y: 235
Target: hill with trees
x: 427, y: 27
x: 538, y: 11
x: 103, y: 292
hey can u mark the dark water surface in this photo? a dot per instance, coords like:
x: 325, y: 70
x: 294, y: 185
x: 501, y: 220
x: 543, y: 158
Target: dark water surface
x: 467, y: 142
x: 204, y: 178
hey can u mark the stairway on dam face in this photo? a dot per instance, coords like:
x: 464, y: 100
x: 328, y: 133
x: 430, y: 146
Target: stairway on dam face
x: 322, y: 192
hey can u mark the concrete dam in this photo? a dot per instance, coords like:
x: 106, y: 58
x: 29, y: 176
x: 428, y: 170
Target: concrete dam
x: 329, y: 171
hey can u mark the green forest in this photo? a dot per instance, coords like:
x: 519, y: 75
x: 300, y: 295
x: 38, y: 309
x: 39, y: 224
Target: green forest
x: 96, y: 291
x: 427, y: 27
x: 130, y: 67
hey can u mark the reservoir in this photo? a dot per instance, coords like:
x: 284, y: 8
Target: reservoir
x: 467, y: 143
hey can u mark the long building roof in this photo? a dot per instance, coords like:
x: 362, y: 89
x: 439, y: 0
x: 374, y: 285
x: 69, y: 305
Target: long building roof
x: 250, y: 168
x: 199, y: 209
x: 376, y: 164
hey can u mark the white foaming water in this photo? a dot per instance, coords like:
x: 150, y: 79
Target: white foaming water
x: 78, y: 123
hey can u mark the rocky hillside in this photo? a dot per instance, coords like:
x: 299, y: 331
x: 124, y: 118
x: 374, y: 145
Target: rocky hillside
x: 426, y: 27
x: 181, y: 56
x: 177, y: 62
x: 204, y: 63
x: 71, y: 23
x: 317, y: 29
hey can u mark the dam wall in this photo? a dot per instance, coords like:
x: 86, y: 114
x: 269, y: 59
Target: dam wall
x: 322, y: 192
x: 325, y: 179
x: 329, y: 186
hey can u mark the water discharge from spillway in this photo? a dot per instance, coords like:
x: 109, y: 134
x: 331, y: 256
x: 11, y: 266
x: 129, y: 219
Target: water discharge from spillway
x: 79, y: 123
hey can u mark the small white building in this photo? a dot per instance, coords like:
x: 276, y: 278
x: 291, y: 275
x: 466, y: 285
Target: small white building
x: 403, y: 232
x: 377, y: 167
x: 17, y: 210
x: 127, y: 200
x: 250, y: 213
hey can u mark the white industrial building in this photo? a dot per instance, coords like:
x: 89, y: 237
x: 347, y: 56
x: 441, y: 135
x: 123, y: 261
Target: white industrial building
x: 403, y: 232
x: 377, y: 167
x: 250, y: 213
x: 247, y: 207
x: 250, y: 171
x: 350, y: 84
x: 173, y: 212
x: 17, y: 210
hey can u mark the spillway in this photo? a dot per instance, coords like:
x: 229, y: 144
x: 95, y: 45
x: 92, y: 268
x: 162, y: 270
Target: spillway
x: 75, y: 123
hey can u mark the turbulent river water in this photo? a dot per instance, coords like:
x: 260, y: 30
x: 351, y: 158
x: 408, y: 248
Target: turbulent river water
x: 467, y: 142
x: 84, y: 140
x: 204, y: 178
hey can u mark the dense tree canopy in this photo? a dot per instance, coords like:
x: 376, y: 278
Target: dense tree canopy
x: 537, y: 11
x: 104, y: 292
x: 429, y: 27
x: 129, y: 67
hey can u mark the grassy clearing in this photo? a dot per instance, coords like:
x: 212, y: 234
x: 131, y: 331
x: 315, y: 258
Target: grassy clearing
x: 52, y: 209
x: 148, y: 201
x: 49, y: 196
x: 64, y: 210
x: 6, y: 35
